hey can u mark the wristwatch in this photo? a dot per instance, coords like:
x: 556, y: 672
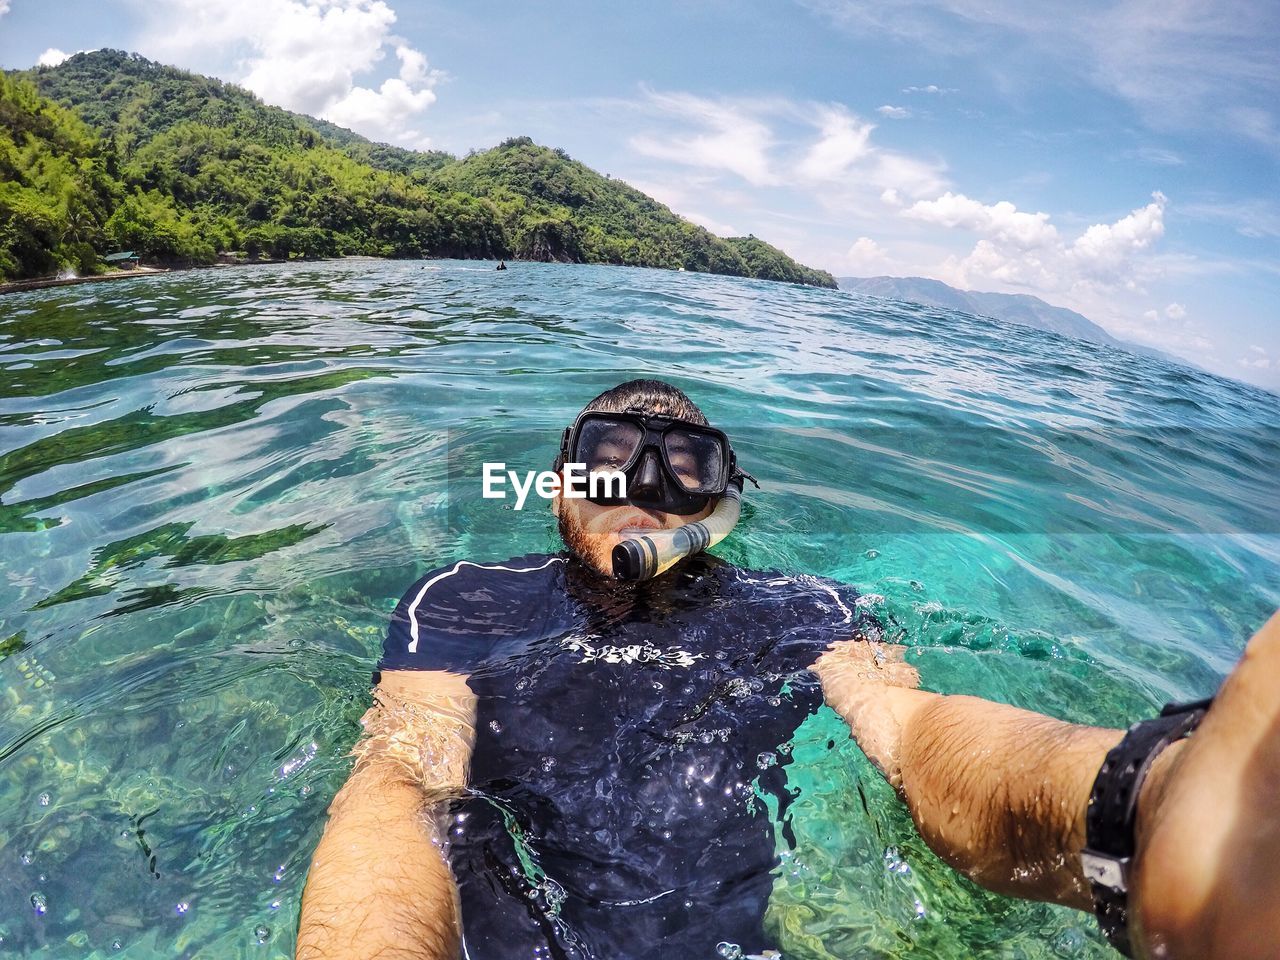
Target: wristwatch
x: 1113, y: 813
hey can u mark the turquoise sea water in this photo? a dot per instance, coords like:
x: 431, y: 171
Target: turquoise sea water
x: 215, y: 485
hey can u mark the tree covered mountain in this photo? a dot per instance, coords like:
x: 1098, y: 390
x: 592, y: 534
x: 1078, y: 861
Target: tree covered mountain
x: 110, y: 151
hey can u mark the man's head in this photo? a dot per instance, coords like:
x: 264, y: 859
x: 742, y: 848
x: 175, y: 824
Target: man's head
x: 592, y: 530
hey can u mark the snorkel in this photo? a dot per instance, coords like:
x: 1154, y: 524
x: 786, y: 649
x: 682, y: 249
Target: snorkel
x: 647, y: 555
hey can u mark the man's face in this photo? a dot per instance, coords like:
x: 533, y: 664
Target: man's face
x: 591, y: 531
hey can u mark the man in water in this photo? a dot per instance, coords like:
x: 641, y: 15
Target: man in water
x: 567, y: 766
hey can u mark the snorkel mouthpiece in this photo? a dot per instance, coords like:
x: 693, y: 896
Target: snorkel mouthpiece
x: 647, y: 555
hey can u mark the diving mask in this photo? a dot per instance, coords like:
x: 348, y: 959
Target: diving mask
x: 671, y: 465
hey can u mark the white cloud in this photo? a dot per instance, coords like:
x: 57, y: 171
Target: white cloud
x: 1257, y: 357
x: 730, y: 138
x: 304, y: 55
x: 847, y: 165
x: 929, y: 88
x: 1157, y: 155
x: 893, y: 113
x: 1025, y: 251
x: 1102, y: 253
x: 902, y: 174
x: 51, y: 57
x: 866, y: 256
x: 1177, y: 62
x: 844, y: 141
x: 771, y: 143
x: 4, y: 7
x: 1253, y: 218
x: 1003, y: 222
x: 1175, y: 311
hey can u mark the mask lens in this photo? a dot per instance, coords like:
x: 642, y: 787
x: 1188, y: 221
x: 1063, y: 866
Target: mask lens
x: 697, y: 460
x: 607, y: 444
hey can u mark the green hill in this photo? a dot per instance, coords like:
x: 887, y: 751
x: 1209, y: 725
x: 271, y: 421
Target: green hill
x: 180, y: 167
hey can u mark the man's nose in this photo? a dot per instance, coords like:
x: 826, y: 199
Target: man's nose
x: 646, y: 483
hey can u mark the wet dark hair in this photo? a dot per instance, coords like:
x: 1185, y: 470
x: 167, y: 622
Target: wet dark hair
x: 648, y: 396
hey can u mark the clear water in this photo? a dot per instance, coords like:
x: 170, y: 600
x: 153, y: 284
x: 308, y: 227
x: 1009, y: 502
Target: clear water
x: 214, y: 486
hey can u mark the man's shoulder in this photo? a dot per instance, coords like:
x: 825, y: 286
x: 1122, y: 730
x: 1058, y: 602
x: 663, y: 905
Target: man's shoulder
x: 460, y: 579
x: 819, y: 598
x: 749, y: 579
x: 457, y: 612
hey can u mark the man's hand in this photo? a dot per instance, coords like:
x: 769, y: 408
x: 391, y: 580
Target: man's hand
x: 857, y: 677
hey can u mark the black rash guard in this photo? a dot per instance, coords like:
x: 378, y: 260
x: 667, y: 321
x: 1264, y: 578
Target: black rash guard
x: 626, y: 737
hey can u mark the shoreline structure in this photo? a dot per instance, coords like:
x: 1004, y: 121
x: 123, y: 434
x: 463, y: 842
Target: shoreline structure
x: 42, y: 283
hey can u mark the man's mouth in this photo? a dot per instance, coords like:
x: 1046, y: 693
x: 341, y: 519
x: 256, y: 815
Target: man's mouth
x: 638, y: 524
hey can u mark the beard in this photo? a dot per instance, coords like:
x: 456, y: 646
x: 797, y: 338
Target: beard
x: 585, y: 546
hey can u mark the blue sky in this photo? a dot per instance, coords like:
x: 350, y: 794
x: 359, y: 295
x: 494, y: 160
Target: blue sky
x: 1122, y: 160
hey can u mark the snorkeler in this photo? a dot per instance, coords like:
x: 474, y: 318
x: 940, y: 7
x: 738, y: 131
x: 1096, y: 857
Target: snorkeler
x: 1169, y: 832
x: 564, y: 765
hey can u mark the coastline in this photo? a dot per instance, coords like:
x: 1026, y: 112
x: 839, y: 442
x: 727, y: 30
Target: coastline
x: 21, y: 286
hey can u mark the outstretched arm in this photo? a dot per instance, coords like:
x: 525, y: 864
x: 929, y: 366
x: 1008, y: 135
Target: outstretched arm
x: 1001, y: 794
x: 380, y: 884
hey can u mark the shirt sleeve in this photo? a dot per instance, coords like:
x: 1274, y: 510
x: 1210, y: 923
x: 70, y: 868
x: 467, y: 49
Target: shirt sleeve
x: 455, y: 617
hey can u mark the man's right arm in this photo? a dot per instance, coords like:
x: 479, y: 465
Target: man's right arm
x: 380, y: 884
x: 1001, y: 794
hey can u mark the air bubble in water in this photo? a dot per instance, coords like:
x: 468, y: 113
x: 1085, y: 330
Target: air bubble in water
x: 40, y: 904
x: 730, y: 951
x: 27, y: 858
x: 766, y: 760
x: 495, y: 726
x: 262, y: 933
x: 45, y: 799
x: 117, y: 945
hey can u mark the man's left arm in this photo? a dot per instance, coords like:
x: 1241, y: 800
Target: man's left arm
x: 950, y: 756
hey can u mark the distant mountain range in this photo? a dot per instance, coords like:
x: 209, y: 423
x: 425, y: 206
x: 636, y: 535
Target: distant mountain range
x: 1010, y: 307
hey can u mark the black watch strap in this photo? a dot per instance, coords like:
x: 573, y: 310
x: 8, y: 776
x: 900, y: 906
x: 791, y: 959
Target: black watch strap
x: 1113, y: 812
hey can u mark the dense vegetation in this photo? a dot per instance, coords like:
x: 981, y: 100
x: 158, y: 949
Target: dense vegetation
x: 110, y: 151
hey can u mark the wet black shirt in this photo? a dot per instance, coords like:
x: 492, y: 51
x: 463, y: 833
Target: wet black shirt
x: 628, y: 737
